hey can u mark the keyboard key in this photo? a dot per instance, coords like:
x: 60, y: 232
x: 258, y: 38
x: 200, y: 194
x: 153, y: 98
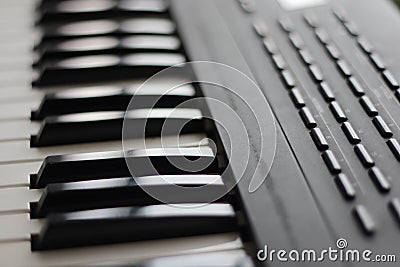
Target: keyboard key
x: 123, y: 192
x: 394, y: 147
x: 308, y: 118
x: 379, y: 179
x: 364, y: 219
x: 326, y: 92
x: 116, y: 225
x: 306, y: 56
x: 322, y: 36
x: 286, y: 24
x: 316, y: 73
x: 351, y: 28
x: 288, y: 78
x: 356, y: 86
x: 378, y: 62
x: 270, y: 46
x: 364, y: 156
x: 390, y: 79
x: 103, y: 165
x: 350, y: 133
x: 93, y: 99
x: 341, y: 15
x: 344, y: 68
x: 319, y: 139
x: 296, y: 40
x: 279, y: 61
x: 338, y: 112
x: 382, y: 127
x: 105, y: 126
x: 333, y: 51
x: 365, y: 45
x: 331, y: 162
x: 311, y: 20
x: 60, y: 11
x: 297, y: 98
x: 260, y: 27
x: 368, y: 106
x: 106, y: 45
x: 345, y: 186
x: 394, y: 206
x: 104, y: 68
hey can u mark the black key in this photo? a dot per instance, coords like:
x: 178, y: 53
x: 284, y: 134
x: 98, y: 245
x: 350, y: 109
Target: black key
x: 102, y: 165
x: 73, y: 10
x: 394, y: 206
x: 308, y: 118
x: 260, y: 27
x: 108, y: 226
x: 351, y: 28
x: 364, y: 156
x: 270, y: 46
x: 104, y: 68
x: 368, y: 106
x: 326, y: 92
x: 379, y: 180
x: 338, y: 112
x: 378, y: 62
x: 390, y: 79
x: 344, y: 68
x: 279, y: 61
x: 333, y: 51
x: 319, y: 139
x: 311, y: 20
x: 296, y: 40
x: 394, y: 147
x: 288, y: 78
x: 365, y: 45
x: 105, y: 126
x: 322, y: 36
x: 331, y: 162
x: 93, y: 99
x: 306, y: 56
x: 345, y: 186
x: 106, y: 45
x: 316, y: 73
x: 365, y: 220
x: 297, y: 98
x: 382, y: 127
x: 350, y: 133
x: 356, y: 86
x: 92, y: 28
x: 286, y: 24
x: 123, y: 192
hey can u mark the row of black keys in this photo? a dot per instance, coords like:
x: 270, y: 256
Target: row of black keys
x: 86, y: 190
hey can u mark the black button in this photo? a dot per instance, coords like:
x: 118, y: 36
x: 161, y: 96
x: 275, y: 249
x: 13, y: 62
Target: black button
x: 319, y: 139
x: 338, y: 112
x: 333, y: 51
x: 390, y: 79
x: 116, y: 225
x: 306, y: 56
x: 364, y: 156
x: 368, y: 106
x: 356, y: 86
x: 382, y: 127
x: 345, y: 186
x: 365, y: 45
x: 351, y: 134
x: 394, y: 147
x: 288, y: 78
x: 326, y: 92
x: 308, y: 118
x: 379, y: 180
x: 297, y: 98
x: 365, y: 219
x: 316, y: 73
x: 331, y: 162
x: 344, y: 68
x: 378, y: 62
